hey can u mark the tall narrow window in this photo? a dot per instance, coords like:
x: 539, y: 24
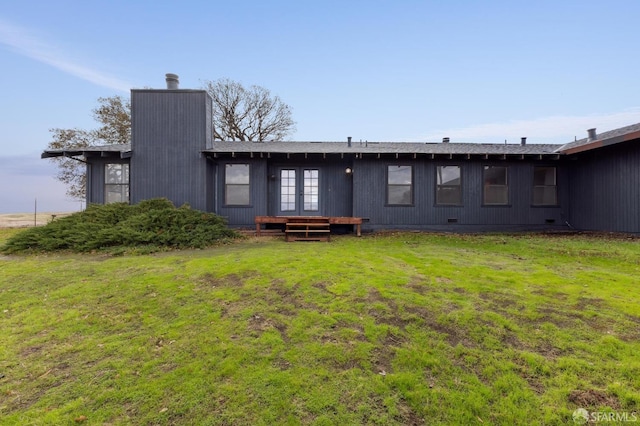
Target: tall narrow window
x: 116, y: 183
x: 237, y: 179
x: 496, y: 185
x: 310, y: 189
x: 448, y: 185
x: 287, y: 190
x: 545, y: 191
x: 399, y: 185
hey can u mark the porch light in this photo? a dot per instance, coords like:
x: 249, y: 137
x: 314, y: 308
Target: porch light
x: 348, y: 170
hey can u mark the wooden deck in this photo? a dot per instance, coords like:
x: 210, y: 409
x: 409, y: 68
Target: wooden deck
x: 308, y: 228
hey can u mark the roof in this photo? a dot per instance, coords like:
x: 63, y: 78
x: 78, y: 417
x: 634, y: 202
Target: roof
x: 611, y: 137
x: 123, y: 149
x: 382, y: 148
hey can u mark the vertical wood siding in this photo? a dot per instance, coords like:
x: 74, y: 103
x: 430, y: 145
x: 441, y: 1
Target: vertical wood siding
x: 335, y: 198
x: 96, y: 179
x: 168, y: 134
x: 605, y: 189
x: 370, y: 190
x: 243, y: 215
x: 335, y: 189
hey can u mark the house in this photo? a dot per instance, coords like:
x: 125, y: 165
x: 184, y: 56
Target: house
x: 588, y: 184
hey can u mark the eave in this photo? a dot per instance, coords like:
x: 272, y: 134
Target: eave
x: 599, y: 143
x: 381, y: 155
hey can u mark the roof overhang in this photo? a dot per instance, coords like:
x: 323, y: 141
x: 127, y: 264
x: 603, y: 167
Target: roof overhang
x: 380, y: 155
x: 599, y: 143
x: 109, y: 151
x: 381, y: 150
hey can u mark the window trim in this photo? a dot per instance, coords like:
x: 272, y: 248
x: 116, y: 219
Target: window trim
x: 484, y: 186
x: 534, y: 186
x: 411, y: 185
x: 120, y: 185
x: 227, y: 185
x: 437, y: 186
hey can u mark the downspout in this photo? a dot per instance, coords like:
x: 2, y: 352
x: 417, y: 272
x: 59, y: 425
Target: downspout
x: 215, y: 187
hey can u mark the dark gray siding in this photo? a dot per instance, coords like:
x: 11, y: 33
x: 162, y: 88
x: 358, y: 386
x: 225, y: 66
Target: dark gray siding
x: 605, y: 189
x: 169, y: 131
x: 95, y: 177
x: 335, y: 188
x: 335, y: 198
x: 370, y: 195
x: 242, y: 216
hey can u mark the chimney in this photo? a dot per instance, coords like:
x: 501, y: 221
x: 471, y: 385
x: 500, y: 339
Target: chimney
x: 445, y: 140
x: 523, y: 141
x: 592, y: 135
x: 349, y: 141
x: 172, y: 81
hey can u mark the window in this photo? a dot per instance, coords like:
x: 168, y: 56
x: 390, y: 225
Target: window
x: 237, y: 188
x: 287, y: 190
x: 399, y: 185
x: 310, y: 189
x: 496, y: 185
x: 116, y: 183
x: 448, y: 185
x: 544, y: 186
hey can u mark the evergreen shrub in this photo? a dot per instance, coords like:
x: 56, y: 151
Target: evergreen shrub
x: 152, y: 224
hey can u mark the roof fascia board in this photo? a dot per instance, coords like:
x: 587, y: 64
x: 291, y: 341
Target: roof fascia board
x: 407, y: 155
x: 603, y: 142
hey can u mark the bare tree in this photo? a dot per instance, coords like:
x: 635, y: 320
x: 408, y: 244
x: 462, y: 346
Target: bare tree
x: 114, y: 115
x: 239, y: 114
x: 247, y: 114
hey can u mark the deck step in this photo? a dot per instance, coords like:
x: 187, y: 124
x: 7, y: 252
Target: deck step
x: 308, y: 229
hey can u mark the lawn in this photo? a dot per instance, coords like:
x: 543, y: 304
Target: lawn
x: 398, y: 328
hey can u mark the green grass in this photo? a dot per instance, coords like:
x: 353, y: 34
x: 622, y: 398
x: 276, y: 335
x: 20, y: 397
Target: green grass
x: 402, y: 328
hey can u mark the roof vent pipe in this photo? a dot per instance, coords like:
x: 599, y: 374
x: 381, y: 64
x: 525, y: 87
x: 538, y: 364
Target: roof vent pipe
x: 349, y: 141
x: 523, y: 141
x: 445, y: 140
x: 172, y: 81
x: 592, y: 135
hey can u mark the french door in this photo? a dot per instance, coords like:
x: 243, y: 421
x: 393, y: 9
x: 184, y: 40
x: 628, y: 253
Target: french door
x: 299, y: 191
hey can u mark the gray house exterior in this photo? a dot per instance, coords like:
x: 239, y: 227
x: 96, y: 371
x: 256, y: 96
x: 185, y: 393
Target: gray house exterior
x: 590, y: 184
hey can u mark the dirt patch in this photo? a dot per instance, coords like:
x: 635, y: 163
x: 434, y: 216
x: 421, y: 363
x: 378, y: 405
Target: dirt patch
x: 420, y: 285
x: 593, y: 398
x: 231, y: 280
x: 381, y: 360
x: 407, y: 416
x: 322, y: 286
x: 588, y: 302
x: 453, y: 334
x: 31, y: 350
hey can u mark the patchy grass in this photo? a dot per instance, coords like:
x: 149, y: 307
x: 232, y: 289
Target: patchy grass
x: 386, y: 329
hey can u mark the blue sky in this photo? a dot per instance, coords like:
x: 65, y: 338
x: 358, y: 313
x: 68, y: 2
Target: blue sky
x: 474, y: 71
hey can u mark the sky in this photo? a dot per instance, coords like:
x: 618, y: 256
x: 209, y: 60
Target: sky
x: 411, y: 71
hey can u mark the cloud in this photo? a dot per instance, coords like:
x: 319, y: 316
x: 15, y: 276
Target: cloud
x: 555, y: 129
x: 23, y: 42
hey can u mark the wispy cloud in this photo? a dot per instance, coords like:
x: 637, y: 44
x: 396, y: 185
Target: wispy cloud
x: 555, y: 129
x: 24, y: 42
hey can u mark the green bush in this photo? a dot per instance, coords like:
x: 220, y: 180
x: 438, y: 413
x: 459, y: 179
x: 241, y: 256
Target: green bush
x: 152, y: 224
